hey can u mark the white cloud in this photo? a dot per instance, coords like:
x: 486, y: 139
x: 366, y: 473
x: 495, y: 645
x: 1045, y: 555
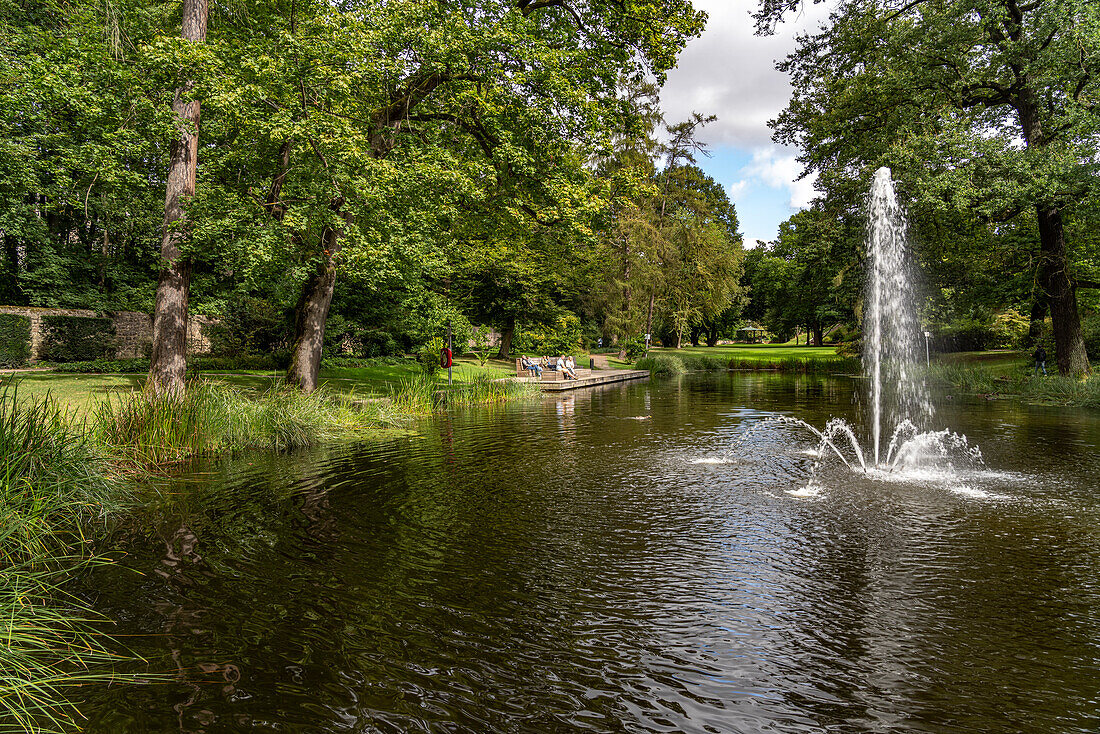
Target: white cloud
x: 778, y: 168
x: 737, y: 188
x: 730, y: 72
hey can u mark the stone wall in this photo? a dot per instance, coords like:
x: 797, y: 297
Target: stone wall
x: 134, y: 330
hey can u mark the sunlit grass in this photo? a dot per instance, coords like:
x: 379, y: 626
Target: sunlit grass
x: 212, y: 417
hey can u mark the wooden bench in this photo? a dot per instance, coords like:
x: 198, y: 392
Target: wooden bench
x: 549, y: 375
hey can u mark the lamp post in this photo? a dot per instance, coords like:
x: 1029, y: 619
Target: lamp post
x: 927, y: 359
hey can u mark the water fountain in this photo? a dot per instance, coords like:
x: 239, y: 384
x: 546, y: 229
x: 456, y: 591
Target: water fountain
x: 898, y: 395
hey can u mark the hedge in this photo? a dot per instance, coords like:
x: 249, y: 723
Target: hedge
x: 77, y: 339
x: 15, y: 340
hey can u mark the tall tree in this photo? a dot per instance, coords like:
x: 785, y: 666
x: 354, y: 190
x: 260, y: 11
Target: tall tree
x: 168, y: 362
x: 987, y: 105
x: 524, y: 86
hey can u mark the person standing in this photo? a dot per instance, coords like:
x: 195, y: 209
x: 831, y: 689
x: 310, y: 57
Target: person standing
x: 1040, y: 356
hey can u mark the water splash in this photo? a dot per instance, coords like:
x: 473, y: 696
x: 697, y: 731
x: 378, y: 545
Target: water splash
x: 891, y: 356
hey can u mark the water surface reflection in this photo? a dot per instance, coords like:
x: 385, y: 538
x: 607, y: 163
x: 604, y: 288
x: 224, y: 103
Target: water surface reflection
x: 568, y: 565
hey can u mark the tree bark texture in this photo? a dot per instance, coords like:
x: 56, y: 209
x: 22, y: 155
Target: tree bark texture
x: 819, y: 335
x: 312, y: 311
x: 1060, y: 294
x: 168, y: 362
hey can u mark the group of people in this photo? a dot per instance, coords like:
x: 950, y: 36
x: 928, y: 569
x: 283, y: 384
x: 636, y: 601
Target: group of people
x: 536, y: 366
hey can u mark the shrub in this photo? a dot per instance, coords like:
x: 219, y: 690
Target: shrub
x: 428, y: 356
x: 15, y: 340
x: 77, y: 338
x: 853, y: 348
x: 964, y: 335
x: 128, y: 366
x: 357, y: 362
x: 480, y: 345
x: 377, y: 343
x: 562, y: 336
x: 278, y: 361
x: 1008, y: 330
x: 1090, y: 328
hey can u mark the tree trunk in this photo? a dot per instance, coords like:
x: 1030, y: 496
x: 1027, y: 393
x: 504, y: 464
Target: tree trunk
x: 312, y: 311
x: 819, y: 335
x: 695, y: 332
x: 1060, y: 294
x: 505, y: 351
x: 712, y: 335
x: 1038, y: 316
x: 649, y: 315
x: 678, y: 339
x: 168, y: 362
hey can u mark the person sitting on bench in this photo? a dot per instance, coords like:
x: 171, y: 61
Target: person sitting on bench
x: 531, y: 365
x: 551, y: 363
x: 568, y: 369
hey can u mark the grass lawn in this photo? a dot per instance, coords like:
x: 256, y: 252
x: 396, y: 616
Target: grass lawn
x: 79, y: 393
x: 998, y: 361
x: 751, y: 352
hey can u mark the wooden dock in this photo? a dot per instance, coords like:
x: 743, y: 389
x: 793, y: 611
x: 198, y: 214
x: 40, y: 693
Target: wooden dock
x: 600, y: 377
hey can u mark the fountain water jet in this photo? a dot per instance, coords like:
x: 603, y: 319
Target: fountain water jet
x: 891, y: 335
x: 891, y: 358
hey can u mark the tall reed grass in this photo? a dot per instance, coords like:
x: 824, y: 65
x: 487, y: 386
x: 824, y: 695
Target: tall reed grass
x: 212, y: 418
x: 51, y: 485
x: 1019, y: 382
x: 424, y: 394
x: 806, y: 365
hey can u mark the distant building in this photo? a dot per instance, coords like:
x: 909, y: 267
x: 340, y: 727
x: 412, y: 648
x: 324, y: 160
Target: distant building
x: 750, y: 333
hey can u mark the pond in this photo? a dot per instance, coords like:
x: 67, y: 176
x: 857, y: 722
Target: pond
x: 588, y: 563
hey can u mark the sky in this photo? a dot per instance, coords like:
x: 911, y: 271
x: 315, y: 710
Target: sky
x: 730, y: 73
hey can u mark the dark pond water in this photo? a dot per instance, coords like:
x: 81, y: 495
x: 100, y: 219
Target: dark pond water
x: 573, y: 565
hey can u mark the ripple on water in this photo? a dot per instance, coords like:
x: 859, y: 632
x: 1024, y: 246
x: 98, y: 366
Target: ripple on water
x: 539, y: 568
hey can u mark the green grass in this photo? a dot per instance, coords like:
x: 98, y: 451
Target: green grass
x: 1013, y: 376
x: 213, y: 418
x: 80, y: 393
x: 51, y: 483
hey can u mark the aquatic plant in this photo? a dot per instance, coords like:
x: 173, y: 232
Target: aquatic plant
x: 213, y: 417
x: 423, y: 394
x: 805, y: 365
x: 662, y: 365
x: 51, y: 484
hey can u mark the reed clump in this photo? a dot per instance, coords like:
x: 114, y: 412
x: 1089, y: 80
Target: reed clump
x: 51, y: 484
x: 662, y: 365
x: 424, y: 394
x: 804, y: 365
x: 1019, y: 381
x: 214, y: 418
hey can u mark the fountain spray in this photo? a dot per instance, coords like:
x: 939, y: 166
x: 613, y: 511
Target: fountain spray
x: 890, y: 331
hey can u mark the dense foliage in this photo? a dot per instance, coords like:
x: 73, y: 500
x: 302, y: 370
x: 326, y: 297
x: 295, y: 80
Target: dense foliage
x: 15, y: 340
x: 986, y: 110
x: 77, y: 338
